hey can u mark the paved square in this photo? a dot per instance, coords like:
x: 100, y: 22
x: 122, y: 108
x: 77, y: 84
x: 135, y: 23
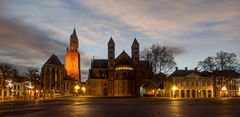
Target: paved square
x: 125, y: 107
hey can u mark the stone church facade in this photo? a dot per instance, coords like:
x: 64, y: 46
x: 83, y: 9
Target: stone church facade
x: 54, y: 79
x: 118, y: 76
x: 57, y: 79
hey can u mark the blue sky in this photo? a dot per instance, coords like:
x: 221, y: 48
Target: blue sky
x: 31, y: 30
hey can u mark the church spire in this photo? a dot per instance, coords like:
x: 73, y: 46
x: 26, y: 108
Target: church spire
x: 74, y: 31
x: 111, y: 42
x: 135, y: 42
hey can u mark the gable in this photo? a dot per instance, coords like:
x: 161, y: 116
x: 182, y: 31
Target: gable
x: 192, y: 75
x: 123, y: 59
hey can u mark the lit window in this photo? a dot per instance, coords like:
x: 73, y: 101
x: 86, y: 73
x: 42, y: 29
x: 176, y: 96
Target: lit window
x: 124, y: 68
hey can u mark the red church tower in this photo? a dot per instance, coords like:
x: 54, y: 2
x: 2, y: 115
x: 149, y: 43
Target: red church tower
x: 72, y: 63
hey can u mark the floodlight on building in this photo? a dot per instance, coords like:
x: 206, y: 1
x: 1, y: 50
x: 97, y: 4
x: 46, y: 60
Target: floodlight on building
x: 77, y: 88
x: 83, y: 89
x: 174, y: 88
x: 224, y: 88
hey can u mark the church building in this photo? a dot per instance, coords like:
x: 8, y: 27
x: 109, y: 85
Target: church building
x: 118, y: 76
x: 57, y: 79
x: 72, y: 63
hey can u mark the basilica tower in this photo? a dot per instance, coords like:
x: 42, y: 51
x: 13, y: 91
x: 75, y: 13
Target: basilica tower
x: 72, y: 63
x: 111, y: 53
x: 135, y: 51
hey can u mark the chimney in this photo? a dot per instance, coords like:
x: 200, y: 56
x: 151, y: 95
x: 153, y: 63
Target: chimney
x: 195, y: 68
x: 186, y: 68
x: 176, y: 68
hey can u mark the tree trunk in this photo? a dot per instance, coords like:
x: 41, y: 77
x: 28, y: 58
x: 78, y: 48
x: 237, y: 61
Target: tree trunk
x: 2, y: 93
x: 3, y: 88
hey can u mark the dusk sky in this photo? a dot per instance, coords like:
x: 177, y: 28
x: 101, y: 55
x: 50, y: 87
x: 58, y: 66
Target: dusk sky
x: 31, y: 30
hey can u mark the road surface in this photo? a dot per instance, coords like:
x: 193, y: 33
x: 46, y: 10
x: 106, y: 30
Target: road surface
x: 124, y: 107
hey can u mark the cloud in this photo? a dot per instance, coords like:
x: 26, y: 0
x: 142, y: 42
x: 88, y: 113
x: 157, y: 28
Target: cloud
x: 165, y: 20
x: 177, y: 51
x: 191, y: 27
x: 25, y: 44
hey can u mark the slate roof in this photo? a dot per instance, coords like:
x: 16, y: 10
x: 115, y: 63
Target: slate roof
x: 143, y: 64
x: 123, y: 59
x: 206, y: 74
x: 53, y: 60
x: 161, y: 75
x: 182, y: 73
x: 100, y: 63
x: 227, y: 73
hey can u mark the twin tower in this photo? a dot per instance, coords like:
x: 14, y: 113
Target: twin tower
x: 111, y: 52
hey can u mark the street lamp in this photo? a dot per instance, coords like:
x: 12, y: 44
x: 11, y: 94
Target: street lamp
x: 77, y: 88
x: 174, y: 88
x: 10, y: 85
x: 224, y: 89
x: 83, y: 89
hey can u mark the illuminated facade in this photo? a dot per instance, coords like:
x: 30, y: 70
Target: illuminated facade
x: 190, y: 84
x: 120, y: 76
x: 72, y: 63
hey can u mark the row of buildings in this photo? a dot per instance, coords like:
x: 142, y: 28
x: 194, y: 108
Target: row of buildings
x: 123, y: 75
x: 126, y: 75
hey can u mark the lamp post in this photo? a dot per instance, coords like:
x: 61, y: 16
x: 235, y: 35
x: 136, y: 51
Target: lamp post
x: 83, y: 89
x: 224, y: 90
x: 174, y: 88
x: 76, y: 89
x: 10, y: 90
x: 36, y: 93
x: 30, y: 87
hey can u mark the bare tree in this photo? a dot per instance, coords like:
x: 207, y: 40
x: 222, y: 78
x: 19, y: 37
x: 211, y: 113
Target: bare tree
x: 217, y: 64
x: 226, y: 61
x: 33, y: 76
x: 207, y: 64
x: 5, y: 71
x: 161, y: 60
x: 222, y: 61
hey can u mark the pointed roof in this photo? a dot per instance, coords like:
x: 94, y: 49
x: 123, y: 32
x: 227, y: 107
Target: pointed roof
x: 135, y: 42
x: 74, y: 34
x: 123, y: 59
x: 111, y: 41
x: 53, y: 60
x: 74, y: 31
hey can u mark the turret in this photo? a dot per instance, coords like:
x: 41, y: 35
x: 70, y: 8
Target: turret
x: 135, y: 51
x: 111, y: 53
x: 74, y: 41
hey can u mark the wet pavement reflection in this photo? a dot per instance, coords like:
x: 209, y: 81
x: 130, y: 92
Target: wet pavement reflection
x: 128, y: 107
